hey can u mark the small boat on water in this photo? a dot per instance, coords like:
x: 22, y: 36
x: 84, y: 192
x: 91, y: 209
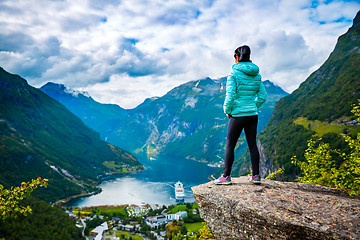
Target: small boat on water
x: 179, y: 191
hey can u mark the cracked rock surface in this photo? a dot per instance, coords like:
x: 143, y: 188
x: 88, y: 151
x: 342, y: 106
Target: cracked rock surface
x: 278, y: 210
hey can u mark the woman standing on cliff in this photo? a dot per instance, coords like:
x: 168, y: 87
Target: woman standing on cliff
x: 245, y: 93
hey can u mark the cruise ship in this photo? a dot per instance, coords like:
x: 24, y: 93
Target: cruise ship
x: 179, y: 191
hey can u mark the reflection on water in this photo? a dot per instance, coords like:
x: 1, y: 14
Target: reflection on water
x: 155, y: 185
x: 129, y: 190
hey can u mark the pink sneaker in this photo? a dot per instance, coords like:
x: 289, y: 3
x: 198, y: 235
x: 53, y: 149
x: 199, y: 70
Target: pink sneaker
x: 255, y: 179
x: 223, y: 180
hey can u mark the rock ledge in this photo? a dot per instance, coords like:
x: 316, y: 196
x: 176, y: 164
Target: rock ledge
x: 278, y: 210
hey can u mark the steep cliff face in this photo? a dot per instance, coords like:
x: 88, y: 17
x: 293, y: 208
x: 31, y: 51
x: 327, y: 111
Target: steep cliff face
x: 277, y: 210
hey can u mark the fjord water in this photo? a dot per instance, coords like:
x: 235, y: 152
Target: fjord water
x: 155, y: 185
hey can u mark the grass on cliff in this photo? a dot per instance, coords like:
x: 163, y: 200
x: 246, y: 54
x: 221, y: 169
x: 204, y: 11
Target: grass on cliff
x: 322, y: 128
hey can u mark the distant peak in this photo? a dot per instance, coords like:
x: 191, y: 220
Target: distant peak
x: 54, y: 85
x: 275, y: 88
x: 150, y: 99
x: 65, y: 89
x: 269, y: 82
x: 76, y: 93
x: 356, y: 21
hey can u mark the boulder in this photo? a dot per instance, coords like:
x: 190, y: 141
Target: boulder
x: 277, y: 210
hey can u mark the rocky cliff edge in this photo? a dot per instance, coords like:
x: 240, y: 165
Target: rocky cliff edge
x: 278, y: 210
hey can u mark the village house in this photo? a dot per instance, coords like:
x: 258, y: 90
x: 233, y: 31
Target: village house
x: 127, y: 227
x: 176, y: 216
x: 156, y: 221
x: 99, y: 231
x: 71, y: 214
x: 353, y: 122
x: 158, y: 237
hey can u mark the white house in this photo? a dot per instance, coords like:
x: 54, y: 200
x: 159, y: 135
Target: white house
x: 176, y: 216
x: 156, y: 221
x: 180, y: 215
x: 99, y: 230
x: 158, y: 237
x: 127, y: 227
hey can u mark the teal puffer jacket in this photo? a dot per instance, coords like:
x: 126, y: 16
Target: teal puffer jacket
x: 245, y: 92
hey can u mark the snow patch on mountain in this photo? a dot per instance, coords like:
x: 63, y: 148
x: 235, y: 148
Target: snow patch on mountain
x: 76, y: 93
x: 197, y: 90
x: 190, y: 101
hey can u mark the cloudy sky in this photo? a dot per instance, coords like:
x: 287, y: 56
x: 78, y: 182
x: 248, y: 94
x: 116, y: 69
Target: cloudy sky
x: 123, y: 51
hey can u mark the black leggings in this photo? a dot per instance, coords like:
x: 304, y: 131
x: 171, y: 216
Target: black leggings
x: 235, y: 127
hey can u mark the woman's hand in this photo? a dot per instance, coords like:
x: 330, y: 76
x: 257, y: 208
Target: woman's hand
x: 228, y: 115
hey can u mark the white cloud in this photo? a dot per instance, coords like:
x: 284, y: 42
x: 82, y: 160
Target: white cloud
x: 122, y: 89
x: 124, y: 51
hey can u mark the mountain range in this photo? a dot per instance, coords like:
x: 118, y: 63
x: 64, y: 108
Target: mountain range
x: 186, y: 122
x: 41, y: 137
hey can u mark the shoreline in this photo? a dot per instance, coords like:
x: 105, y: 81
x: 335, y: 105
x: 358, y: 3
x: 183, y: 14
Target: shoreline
x: 103, y: 178
x: 61, y: 202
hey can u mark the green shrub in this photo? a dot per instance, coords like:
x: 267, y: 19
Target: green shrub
x: 321, y: 165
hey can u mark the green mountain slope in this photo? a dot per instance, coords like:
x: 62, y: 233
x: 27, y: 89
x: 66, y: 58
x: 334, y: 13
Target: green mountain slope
x: 102, y: 118
x: 40, y: 137
x: 45, y: 222
x: 324, y: 98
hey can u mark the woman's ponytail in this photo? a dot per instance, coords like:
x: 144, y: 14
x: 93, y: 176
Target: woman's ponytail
x: 243, y: 53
